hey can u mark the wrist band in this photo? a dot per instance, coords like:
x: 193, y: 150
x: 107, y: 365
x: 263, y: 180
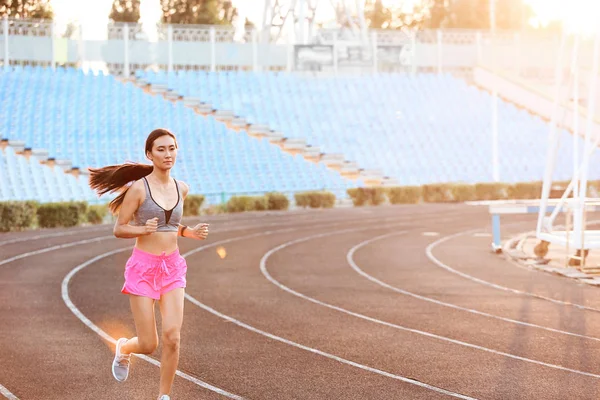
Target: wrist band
x: 183, y: 230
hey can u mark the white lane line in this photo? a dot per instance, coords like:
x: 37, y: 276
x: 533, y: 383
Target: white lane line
x: 355, y: 267
x: 263, y: 268
x: 57, y: 247
x: 6, y: 393
x: 322, y: 353
x: 303, y: 347
x: 482, y: 234
x: 108, y: 338
x: 430, y: 234
x: 429, y: 253
x: 50, y: 235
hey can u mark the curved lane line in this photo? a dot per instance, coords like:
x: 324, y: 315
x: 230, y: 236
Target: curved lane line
x: 403, y: 328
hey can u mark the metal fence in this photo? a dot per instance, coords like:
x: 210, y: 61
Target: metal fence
x: 124, y: 48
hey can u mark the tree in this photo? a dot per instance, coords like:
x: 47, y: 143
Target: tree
x: 26, y: 9
x: 379, y: 16
x: 376, y: 15
x: 475, y: 14
x: 200, y: 12
x: 125, y: 11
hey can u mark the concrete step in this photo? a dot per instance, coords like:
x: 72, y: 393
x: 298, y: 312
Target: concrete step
x: 275, y: 136
x: 191, y: 101
x: 157, y: 88
x: 224, y: 115
x: 258, y: 131
x: 237, y: 124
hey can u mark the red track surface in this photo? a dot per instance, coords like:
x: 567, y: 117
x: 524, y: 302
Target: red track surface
x: 337, y: 304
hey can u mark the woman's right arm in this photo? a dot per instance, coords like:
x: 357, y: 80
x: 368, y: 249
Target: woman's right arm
x: 131, y: 202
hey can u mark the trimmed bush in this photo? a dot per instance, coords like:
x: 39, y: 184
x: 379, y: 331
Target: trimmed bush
x: 315, y: 199
x: 367, y: 196
x: 525, y: 190
x: 437, y: 193
x: 192, y: 205
x: 96, y: 213
x: 277, y: 201
x: 404, y: 194
x: 17, y: 215
x: 52, y: 215
x: 301, y: 199
x: 247, y: 203
x: 491, y: 191
x: 215, y: 209
x: 327, y: 199
x: 260, y: 203
x: 462, y: 192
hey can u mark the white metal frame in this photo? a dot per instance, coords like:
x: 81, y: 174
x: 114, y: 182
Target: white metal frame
x: 578, y: 237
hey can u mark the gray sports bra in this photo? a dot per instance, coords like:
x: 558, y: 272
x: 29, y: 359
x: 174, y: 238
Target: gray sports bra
x: 168, y: 220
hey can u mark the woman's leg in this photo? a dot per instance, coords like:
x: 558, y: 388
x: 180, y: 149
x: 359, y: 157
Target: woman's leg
x: 146, y: 340
x: 171, y: 310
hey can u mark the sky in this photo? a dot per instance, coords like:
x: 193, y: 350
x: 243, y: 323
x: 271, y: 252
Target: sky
x: 579, y: 15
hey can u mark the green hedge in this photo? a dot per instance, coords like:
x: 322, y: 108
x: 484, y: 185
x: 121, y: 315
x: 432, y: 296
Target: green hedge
x: 247, y: 203
x: 404, y: 194
x: 277, y: 201
x: 372, y: 196
x: 491, y: 191
x: 17, y: 215
x: 95, y: 214
x: 457, y: 192
x: 315, y: 199
x: 192, y: 205
x: 525, y: 190
x: 53, y: 215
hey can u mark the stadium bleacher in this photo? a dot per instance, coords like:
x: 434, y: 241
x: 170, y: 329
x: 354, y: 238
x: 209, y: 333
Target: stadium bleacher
x: 416, y: 129
x: 27, y: 179
x: 419, y: 129
x: 96, y: 120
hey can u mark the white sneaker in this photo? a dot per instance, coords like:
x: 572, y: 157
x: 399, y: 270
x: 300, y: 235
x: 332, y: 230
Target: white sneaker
x: 164, y: 397
x: 120, y: 365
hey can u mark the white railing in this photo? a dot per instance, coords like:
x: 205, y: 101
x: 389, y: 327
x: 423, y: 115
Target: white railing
x: 126, y: 47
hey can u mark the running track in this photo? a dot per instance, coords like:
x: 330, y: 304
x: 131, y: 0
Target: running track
x: 403, y: 302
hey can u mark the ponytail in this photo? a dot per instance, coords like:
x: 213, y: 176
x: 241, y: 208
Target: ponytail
x: 114, y: 178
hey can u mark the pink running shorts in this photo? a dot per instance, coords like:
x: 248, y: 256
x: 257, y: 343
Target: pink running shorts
x: 152, y: 275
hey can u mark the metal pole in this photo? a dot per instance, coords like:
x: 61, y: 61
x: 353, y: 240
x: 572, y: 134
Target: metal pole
x: 290, y: 53
x: 6, y: 59
x: 213, y: 61
x: 575, y: 73
x: 588, y: 129
x: 81, y: 47
x: 301, y: 22
x: 126, y: 54
x: 52, y: 46
x: 495, y: 156
x: 439, y: 52
x: 170, y: 46
x: 255, y: 50
x: 479, y: 48
x: 551, y: 151
x: 413, y: 40
x: 517, y: 47
x: 374, y: 46
x: 335, y: 55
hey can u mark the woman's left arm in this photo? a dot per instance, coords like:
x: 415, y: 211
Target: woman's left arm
x: 200, y: 231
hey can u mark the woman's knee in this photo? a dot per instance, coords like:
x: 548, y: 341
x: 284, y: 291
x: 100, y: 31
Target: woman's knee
x: 147, y: 345
x: 171, y: 338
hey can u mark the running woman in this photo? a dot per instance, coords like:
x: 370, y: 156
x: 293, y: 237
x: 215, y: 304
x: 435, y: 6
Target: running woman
x: 150, y: 211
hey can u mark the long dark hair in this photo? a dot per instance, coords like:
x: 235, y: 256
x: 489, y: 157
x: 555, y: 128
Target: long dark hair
x: 114, y: 178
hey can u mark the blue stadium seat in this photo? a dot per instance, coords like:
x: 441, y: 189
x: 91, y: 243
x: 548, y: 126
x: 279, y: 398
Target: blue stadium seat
x: 421, y: 129
x: 24, y: 179
x: 96, y: 120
